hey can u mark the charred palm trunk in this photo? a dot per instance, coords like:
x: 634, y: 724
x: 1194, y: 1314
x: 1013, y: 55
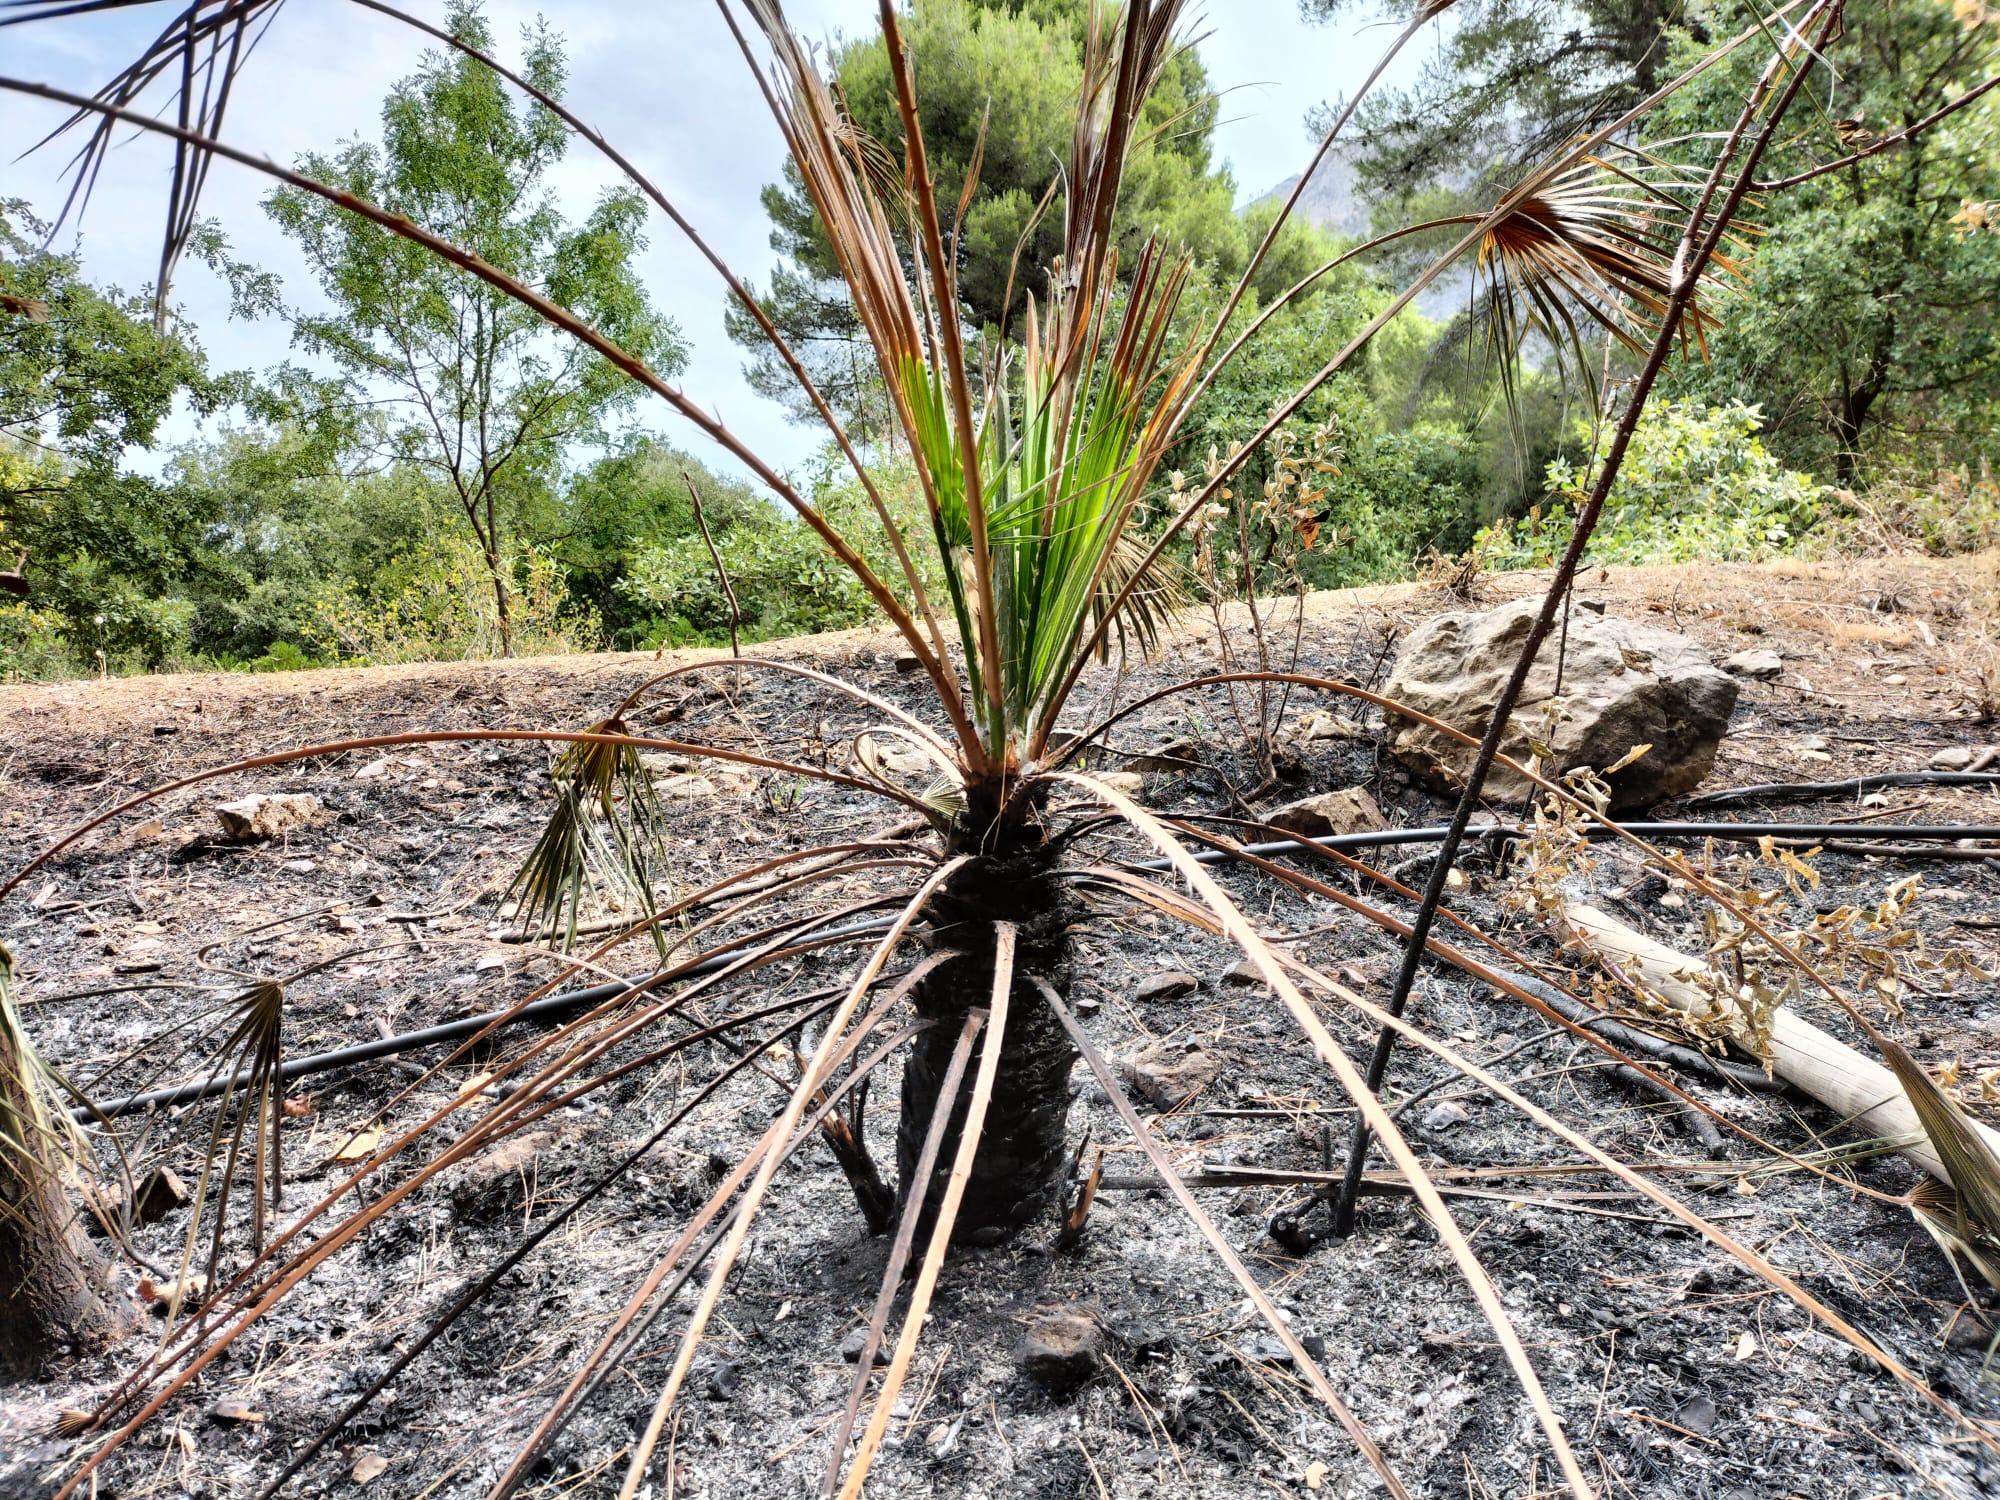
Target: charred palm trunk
x: 1016, y: 1175
x: 53, y: 1286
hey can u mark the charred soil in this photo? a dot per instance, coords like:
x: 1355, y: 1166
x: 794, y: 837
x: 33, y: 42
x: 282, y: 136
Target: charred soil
x: 1676, y: 1373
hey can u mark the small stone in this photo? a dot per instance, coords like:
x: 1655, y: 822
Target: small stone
x: 900, y: 760
x: 300, y: 866
x: 158, y: 1195
x: 1968, y: 1335
x: 1166, y: 1075
x: 909, y: 664
x: 1445, y: 1116
x: 497, y: 1180
x: 262, y: 816
x: 1957, y: 758
x: 722, y: 1379
x: 1349, y: 810
x: 1760, y: 665
x: 1322, y: 724
x: 1168, y: 984
x: 1697, y: 1416
x: 368, y: 1467
x: 1175, y: 758
x: 1243, y: 972
x: 1063, y: 1349
x: 855, y: 1342
x: 687, y: 785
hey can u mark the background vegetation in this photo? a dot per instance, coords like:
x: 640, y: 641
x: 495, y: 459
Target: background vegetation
x: 416, y: 492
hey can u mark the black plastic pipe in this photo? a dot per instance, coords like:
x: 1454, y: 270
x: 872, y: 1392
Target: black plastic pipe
x: 555, y: 1006
x: 1746, y: 833
x: 1853, y: 786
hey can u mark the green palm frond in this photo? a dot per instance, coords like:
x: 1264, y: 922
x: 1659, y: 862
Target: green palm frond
x: 606, y: 829
x: 1032, y: 525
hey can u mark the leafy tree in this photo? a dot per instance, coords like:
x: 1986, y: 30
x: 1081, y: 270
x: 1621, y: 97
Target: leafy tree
x: 1001, y: 80
x: 1870, y: 318
x: 1509, y: 81
x: 630, y: 501
x: 491, y: 402
x: 294, y: 516
x: 1867, y: 310
x: 85, y: 375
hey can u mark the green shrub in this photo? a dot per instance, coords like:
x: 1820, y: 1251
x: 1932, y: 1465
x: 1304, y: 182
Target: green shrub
x: 33, y: 646
x: 1697, y: 484
x: 786, y: 583
x: 435, y: 603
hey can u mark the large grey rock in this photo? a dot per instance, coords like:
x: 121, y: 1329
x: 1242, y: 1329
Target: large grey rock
x: 1623, y: 684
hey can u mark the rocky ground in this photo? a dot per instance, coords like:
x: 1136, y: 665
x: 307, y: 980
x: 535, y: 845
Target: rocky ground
x: 1675, y: 1372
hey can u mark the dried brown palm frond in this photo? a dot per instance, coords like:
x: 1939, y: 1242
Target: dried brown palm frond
x: 569, y: 1054
x: 1593, y: 246
x: 199, y: 54
x: 1963, y: 1216
x: 1302, y: 1358
x: 976, y: 1101
x: 251, y: 1060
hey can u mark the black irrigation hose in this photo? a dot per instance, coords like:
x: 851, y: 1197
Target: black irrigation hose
x: 574, y: 1000
x: 1853, y: 787
x: 1747, y: 833
x: 554, y: 1006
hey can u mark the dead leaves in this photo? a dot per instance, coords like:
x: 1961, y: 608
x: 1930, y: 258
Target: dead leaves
x: 368, y: 1467
x: 359, y: 1146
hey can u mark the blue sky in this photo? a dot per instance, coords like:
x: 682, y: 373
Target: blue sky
x: 662, y: 80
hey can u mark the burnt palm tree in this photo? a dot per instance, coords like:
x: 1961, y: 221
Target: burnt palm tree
x: 1035, y: 458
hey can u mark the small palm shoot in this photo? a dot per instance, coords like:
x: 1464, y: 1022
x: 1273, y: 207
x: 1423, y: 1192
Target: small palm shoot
x: 605, y: 832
